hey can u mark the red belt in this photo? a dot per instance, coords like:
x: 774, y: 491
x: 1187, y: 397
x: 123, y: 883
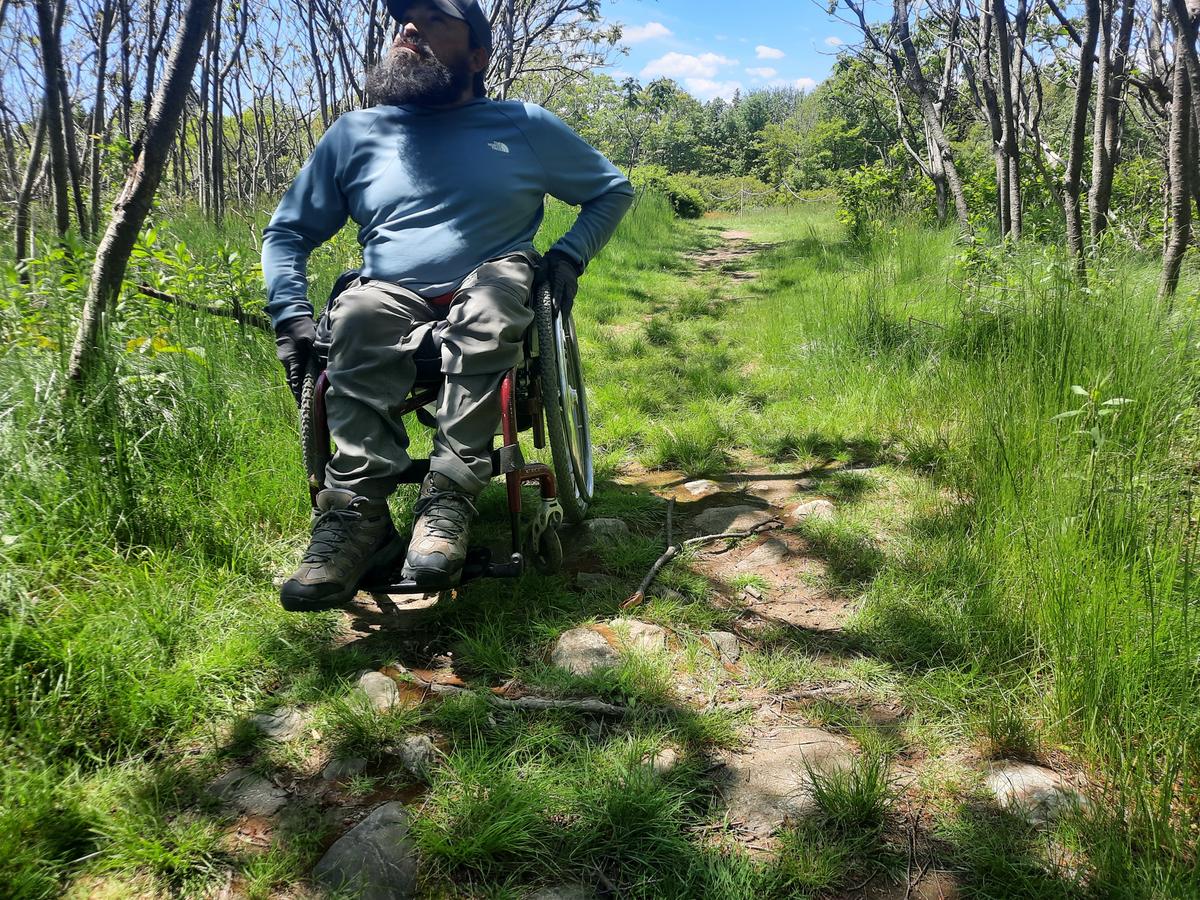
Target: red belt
x: 442, y: 299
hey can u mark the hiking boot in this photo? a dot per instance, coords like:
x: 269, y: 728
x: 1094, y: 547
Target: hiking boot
x: 439, y: 541
x: 353, y: 538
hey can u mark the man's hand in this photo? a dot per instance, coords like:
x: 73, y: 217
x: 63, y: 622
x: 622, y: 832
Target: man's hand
x: 294, y: 339
x: 561, y: 273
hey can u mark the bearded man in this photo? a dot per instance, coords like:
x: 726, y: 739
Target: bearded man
x: 448, y: 189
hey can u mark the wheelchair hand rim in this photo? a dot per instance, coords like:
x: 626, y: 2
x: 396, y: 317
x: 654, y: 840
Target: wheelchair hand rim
x: 574, y: 406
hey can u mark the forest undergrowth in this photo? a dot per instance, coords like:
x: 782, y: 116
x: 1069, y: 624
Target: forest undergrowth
x: 1013, y: 456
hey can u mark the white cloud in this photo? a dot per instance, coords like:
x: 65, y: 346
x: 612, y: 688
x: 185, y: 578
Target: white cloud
x: 683, y: 65
x: 805, y: 84
x: 762, y: 72
x: 707, y: 89
x: 635, y: 34
x: 833, y: 41
x: 762, y: 51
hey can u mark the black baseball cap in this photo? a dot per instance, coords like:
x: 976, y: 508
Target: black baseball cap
x: 468, y: 11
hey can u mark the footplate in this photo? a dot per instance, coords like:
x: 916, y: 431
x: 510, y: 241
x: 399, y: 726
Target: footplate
x: 478, y: 564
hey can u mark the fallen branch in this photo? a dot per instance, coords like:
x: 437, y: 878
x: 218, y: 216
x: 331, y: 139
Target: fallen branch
x: 595, y: 707
x: 244, y: 318
x: 639, y: 596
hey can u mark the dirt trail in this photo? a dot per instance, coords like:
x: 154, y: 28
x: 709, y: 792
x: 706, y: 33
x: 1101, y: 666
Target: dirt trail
x: 829, y: 704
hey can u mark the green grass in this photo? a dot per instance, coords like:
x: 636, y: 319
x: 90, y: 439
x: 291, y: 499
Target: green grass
x: 1026, y: 579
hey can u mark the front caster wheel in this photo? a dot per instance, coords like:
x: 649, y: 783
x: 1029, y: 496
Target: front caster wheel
x: 548, y: 554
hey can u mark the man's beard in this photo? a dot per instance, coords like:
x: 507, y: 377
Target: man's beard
x: 423, y: 81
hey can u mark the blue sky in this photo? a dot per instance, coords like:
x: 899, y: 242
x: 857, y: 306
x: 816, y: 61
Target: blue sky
x: 714, y: 47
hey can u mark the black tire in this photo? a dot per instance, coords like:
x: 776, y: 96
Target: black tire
x: 564, y: 400
x: 548, y: 554
x: 315, y: 448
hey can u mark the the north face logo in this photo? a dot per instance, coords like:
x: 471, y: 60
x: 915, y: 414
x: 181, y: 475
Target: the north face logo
x: 499, y: 146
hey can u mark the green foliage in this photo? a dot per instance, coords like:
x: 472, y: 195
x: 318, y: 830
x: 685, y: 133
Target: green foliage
x: 869, y: 198
x: 685, y: 199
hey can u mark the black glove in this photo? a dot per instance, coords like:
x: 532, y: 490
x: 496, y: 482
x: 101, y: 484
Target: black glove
x: 294, y: 339
x: 561, y: 273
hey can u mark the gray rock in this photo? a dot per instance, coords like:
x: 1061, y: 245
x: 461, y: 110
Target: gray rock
x: 380, y: 691
x: 701, y: 487
x: 597, y: 582
x: 807, y: 484
x: 375, y: 860
x: 663, y: 761
x: 245, y: 792
x: 667, y: 593
x: 565, y: 892
x: 343, y: 767
x: 815, y: 510
x: 582, y: 651
x: 769, y: 783
x: 605, y: 529
x: 416, y: 754
x: 731, y: 518
x: 1037, y: 794
x: 766, y: 555
x: 642, y: 635
x: 282, y: 724
x: 726, y: 645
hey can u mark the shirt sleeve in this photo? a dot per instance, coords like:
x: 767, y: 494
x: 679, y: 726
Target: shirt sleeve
x: 579, y: 174
x: 312, y: 211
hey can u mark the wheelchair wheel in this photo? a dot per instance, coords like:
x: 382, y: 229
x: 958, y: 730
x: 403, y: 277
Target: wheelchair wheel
x: 565, y: 402
x: 314, y: 441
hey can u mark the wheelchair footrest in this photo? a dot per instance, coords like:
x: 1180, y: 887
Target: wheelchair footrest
x: 478, y: 564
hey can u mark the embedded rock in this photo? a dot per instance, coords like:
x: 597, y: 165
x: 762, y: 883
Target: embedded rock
x: 642, y: 635
x: 1037, y: 794
x: 282, y: 724
x: 582, y: 651
x: 813, y: 510
x: 597, y: 582
x: 766, y: 555
x: 343, y: 767
x: 701, y: 487
x: 379, y: 690
x: 416, y: 754
x: 769, y: 783
x: 605, y: 529
x: 663, y: 761
x: 565, y: 892
x: 725, y: 644
x: 731, y: 518
x: 375, y: 860
x: 247, y: 793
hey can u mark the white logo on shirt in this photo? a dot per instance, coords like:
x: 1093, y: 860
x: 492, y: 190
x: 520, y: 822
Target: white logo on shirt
x: 498, y: 146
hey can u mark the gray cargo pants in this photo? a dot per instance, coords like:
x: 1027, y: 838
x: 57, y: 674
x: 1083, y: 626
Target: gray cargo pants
x: 376, y: 328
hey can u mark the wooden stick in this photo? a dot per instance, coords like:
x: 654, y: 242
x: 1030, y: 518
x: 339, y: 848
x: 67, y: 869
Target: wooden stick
x: 245, y: 318
x: 596, y: 707
x: 640, y: 594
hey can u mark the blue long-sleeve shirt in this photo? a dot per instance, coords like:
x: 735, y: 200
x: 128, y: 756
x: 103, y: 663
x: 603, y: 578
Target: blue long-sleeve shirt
x: 437, y: 192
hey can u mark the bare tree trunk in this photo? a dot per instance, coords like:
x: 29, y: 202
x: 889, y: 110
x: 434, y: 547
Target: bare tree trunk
x: 1012, y: 160
x: 133, y: 203
x: 1186, y: 18
x: 73, y: 167
x: 1179, y: 174
x: 1083, y: 92
x: 51, y: 65
x: 25, y: 196
x: 99, y: 122
x: 126, y: 74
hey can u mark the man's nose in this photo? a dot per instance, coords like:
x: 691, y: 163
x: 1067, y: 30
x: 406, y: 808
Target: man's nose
x: 410, y: 31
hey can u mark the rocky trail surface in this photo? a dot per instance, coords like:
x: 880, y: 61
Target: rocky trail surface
x: 809, y: 705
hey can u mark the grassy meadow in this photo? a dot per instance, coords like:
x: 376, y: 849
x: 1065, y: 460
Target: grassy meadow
x: 1013, y: 456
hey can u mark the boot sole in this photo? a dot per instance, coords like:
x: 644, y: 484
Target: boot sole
x: 382, y: 566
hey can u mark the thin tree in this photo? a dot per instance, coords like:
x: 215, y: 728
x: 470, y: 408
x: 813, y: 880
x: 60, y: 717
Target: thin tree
x: 133, y: 202
x: 51, y: 66
x: 1179, y: 174
x: 1083, y: 92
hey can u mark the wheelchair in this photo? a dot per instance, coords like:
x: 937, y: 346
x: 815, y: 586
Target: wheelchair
x: 544, y: 394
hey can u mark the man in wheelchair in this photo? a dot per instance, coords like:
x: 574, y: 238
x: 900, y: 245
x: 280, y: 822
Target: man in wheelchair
x: 447, y: 188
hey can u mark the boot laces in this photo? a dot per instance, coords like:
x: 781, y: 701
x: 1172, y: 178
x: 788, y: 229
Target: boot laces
x: 447, y: 514
x: 330, y: 531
